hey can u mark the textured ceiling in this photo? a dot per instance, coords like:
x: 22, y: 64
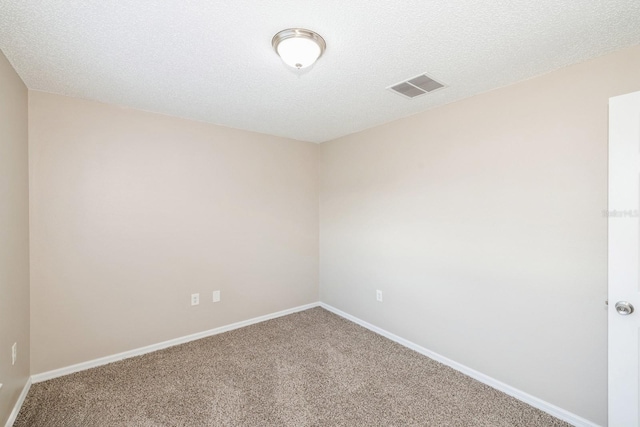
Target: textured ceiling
x: 212, y: 60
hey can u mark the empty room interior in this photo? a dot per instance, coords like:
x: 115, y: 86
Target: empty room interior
x: 318, y: 213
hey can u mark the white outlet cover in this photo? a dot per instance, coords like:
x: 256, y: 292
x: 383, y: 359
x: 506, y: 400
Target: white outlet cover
x: 195, y: 299
x: 379, y: 296
x: 216, y: 296
x: 14, y: 353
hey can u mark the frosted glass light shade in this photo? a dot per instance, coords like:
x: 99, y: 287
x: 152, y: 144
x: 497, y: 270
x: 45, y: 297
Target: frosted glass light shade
x: 298, y: 52
x: 298, y: 48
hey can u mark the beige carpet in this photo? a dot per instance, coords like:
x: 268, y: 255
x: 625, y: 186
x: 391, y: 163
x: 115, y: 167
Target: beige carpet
x: 307, y: 369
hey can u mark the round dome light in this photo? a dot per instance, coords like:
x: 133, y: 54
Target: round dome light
x: 298, y: 47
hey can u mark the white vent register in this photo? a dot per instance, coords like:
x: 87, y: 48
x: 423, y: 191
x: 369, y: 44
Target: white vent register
x: 416, y: 86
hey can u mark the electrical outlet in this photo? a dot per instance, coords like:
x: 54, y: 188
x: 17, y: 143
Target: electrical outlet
x: 14, y: 353
x: 195, y: 299
x: 379, y: 296
x: 216, y: 296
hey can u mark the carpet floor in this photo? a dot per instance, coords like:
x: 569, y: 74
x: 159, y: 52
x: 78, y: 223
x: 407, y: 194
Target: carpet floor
x: 311, y: 368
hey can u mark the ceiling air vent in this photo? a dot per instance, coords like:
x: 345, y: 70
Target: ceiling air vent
x: 416, y: 86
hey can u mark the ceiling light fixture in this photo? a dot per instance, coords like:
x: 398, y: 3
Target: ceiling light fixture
x: 298, y: 48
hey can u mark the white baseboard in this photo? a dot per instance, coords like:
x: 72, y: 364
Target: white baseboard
x: 547, y: 407
x: 505, y: 388
x: 18, y: 405
x: 159, y: 346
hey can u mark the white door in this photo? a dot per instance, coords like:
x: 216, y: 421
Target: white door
x: 624, y: 285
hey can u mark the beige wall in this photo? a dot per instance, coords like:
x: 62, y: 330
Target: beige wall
x: 14, y: 237
x: 482, y: 224
x: 132, y: 212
